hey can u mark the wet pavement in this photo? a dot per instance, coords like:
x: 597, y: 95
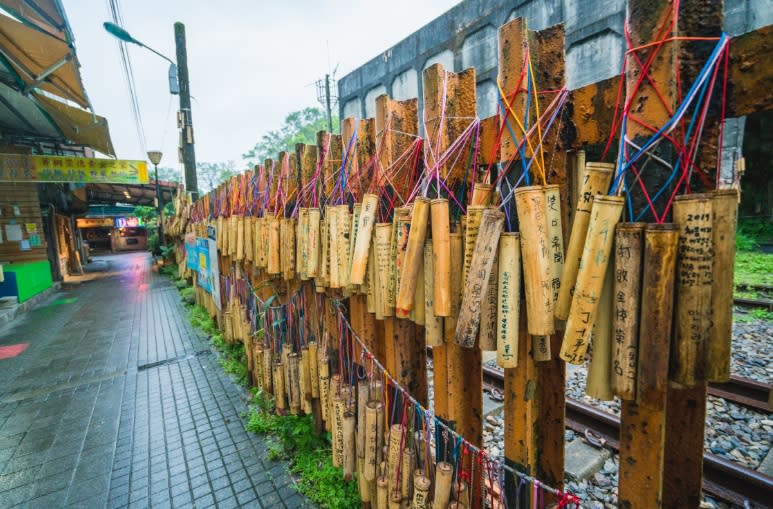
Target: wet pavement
x: 109, y: 398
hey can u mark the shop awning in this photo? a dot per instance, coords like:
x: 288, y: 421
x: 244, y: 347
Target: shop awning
x: 79, y: 126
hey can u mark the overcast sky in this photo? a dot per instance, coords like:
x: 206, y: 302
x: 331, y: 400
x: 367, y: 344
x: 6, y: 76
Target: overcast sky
x: 250, y: 62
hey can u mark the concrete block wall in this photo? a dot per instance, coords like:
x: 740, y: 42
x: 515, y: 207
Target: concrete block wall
x: 466, y: 36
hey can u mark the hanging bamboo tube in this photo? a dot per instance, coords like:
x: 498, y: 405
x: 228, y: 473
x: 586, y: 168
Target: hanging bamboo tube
x: 349, y: 446
x: 293, y: 370
x: 421, y: 486
x: 395, y: 500
x: 324, y: 258
x: 725, y: 215
x: 590, y: 278
x: 231, y: 246
x: 361, y: 250
x: 476, y: 286
x: 629, y: 245
x: 418, y: 314
x: 481, y: 195
x: 508, y: 299
x: 240, y: 238
x: 595, y: 181
x: 279, y: 387
x: 323, y: 369
x: 313, y: 369
x: 441, y: 257
x: 488, y: 309
x: 373, y: 414
x: 342, y: 244
x: 382, y: 493
x: 301, y: 262
x: 371, y: 295
x: 306, y: 373
x: 257, y: 374
x: 249, y: 238
x: 288, y: 252
x: 444, y: 473
x: 394, y: 457
x: 413, y: 256
x: 337, y: 415
x: 364, y: 487
x: 312, y: 243
x: 363, y: 397
x: 220, y: 233
x: 353, y: 232
x: 382, y: 242
x: 268, y: 376
x: 461, y: 491
x: 471, y: 227
x: 273, y: 247
x: 694, y: 280
x: 260, y: 247
x: 334, y: 232
x: 530, y: 204
x: 407, y: 464
x: 402, y: 220
x: 599, y: 380
x: 433, y: 325
x: 555, y: 236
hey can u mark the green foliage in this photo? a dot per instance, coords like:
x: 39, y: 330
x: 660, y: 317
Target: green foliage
x: 211, y: 175
x: 309, y: 454
x: 169, y: 269
x: 752, y: 232
x: 762, y: 314
x: 146, y: 214
x: 298, y: 127
x: 754, y: 268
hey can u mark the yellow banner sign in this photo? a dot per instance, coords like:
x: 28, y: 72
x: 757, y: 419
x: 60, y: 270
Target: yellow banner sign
x: 94, y: 222
x: 27, y: 168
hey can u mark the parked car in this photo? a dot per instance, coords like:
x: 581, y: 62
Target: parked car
x: 129, y: 239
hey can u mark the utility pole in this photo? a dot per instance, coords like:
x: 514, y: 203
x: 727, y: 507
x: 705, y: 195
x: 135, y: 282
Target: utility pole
x: 327, y: 101
x: 186, y: 120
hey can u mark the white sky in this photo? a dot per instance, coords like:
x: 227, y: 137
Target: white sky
x: 250, y: 62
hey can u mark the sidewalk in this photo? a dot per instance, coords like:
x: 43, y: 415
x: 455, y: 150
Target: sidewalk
x: 108, y: 398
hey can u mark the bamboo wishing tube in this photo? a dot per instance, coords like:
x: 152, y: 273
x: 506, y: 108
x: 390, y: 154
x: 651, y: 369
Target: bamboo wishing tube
x: 333, y: 230
x: 324, y: 261
x: 249, y: 238
x: 433, y: 325
x: 279, y: 387
x: 382, y: 493
x: 725, y: 215
x: 476, y: 286
x: 456, y: 264
x: 441, y: 257
x: 240, y: 238
x: 461, y: 491
x: 407, y: 464
x: 260, y: 246
x: 402, y: 222
x: 417, y: 313
x: 231, y: 245
x: 374, y: 412
x: 599, y: 381
x: 313, y: 243
x: 219, y: 232
x: 481, y: 195
x: 364, y: 231
x: 268, y: 376
x: 595, y: 181
x: 323, y: 369
x: 306, y: 371
x: 370, y: 283
x: 349, y: 446
x: 301, y: 261
x: 273, y: 246
x: 629, y: 245
x: 394, y: 457
x: 530, y: 204
x: 363, y: 397
x: 293, y: 370
x: 590, y: 278
x: 382, y: 242
x: 421, y: 485
x: 555, y: 236
x: 314, y: 369
x: 258, y: 366
x: 508, y: 299
x: 693, y: 214
x: 444, y: 473
x: 339, y: 408
x: 353, y: 231
x: 414, y: 255
x: 471, y: 227
x: 342, y: 243
x: 488, y: 310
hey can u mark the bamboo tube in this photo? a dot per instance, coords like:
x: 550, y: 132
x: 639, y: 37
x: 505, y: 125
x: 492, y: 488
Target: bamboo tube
x: 371, y: 299
x: 433, y: 325
x: 283, y: 243
x: 382, y: 243
x: 334, y: 232
x: 394, y: 457
x: 293, y: 369
x: 590, y: 278
x: 395, y: 500
x: 418, y: 313
x: 444, y: 473
x: 219, y: 233
x: 371, y: 439
x: 288, y: 250
x: 312, y: 240
x: 629, y: 244
x: 414, y: 255
x: 287, y: 349
x: 555, y: 236
x: 694, y: 280
x: 344, y: 232
x: 407, y: 465
x: 508, y: 299
x: 268, y: 377
x: 360, y: 255
x: 339, y: 407
x: 240, y: 238
x: 324, y: 257
x: 481, y: 195
x: 313, y: 369
x: 382, y: 493
x: 231, y: 246
x: 257, y: 375
x: 471, y: 227
x: 362, y: 485
x: 725, y: 215
x: 595, y: 181
x: 489, y: 228
x: 273, y: 246
x: 488, y: 310
x: 530, y: 204
x: 349, y: 446
x: 260, y: 247
x: 279, y: 386
x: 461, y: 493
x: 249, y: 238
x: 380, y: 426
x: 362, y: 400
x: 354, y: 226
x: 302, y: 241
x: 441, y: 256
x: 324, y: 389
x: 599, y: 380
x: 305, y: 371
x: 456, y: 263
x: 421, y: 486
x: 402, y: 232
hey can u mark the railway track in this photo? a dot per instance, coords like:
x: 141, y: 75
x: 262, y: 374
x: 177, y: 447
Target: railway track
x: 723, y: 479
x: 762, y: 300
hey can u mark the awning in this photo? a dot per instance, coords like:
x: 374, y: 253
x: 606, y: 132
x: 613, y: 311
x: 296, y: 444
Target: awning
x: 79, y: 126
x: 135, y: 194
x: 44, y: 14
x: 41, y: 61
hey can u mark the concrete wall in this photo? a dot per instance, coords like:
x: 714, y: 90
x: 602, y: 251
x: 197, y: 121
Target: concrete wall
x: 466, y: 36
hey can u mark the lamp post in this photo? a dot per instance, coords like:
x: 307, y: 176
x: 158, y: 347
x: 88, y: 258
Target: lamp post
x: 178, y: 85
x: 155, y: 158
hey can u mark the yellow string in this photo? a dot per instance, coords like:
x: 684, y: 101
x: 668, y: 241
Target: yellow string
x: 539, y: 124
x: 518, y: 122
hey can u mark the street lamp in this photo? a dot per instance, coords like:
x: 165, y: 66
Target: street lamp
x: 155, y: 158
x: 179, y: 85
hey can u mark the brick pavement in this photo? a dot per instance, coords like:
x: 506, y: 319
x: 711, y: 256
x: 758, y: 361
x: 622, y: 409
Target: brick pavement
x: 118, y: 402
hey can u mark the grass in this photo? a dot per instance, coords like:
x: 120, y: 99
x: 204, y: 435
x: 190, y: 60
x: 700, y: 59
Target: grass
x: 753, y: 268
x: 310, y: 457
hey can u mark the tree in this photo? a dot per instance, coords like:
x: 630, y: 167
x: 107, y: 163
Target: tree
x: 298, y: 127
x: 210, y: 175
x: 166, y: 174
